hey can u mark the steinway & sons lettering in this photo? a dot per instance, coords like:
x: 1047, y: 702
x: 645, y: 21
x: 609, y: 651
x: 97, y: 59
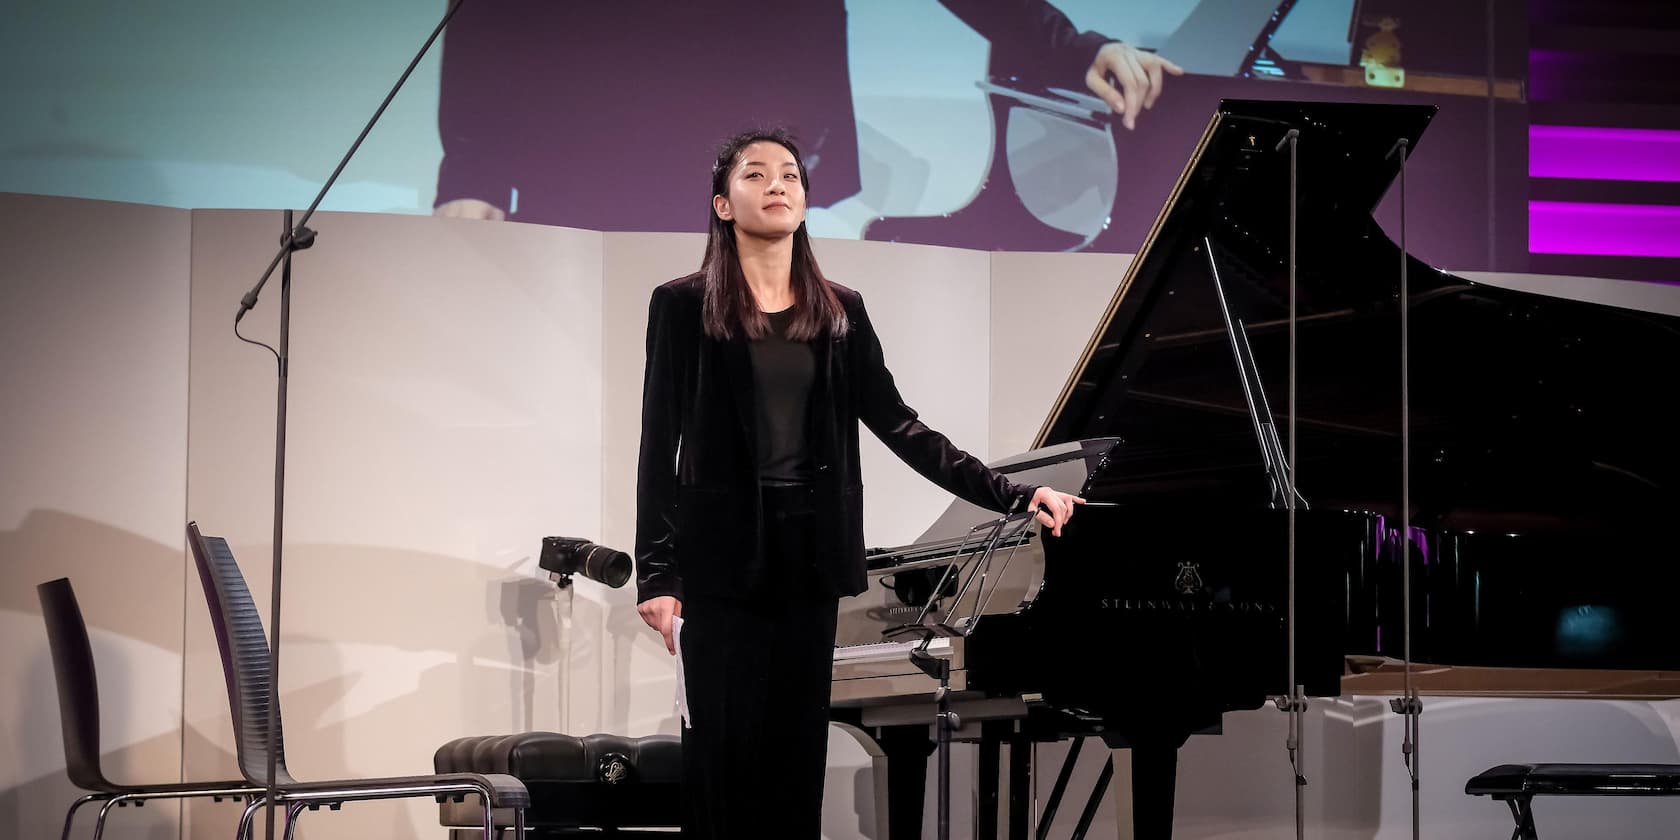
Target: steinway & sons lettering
x: 1185, y: 605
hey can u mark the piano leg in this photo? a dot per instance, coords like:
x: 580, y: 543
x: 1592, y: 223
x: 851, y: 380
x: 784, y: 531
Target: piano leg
x: 1020, y: 782
x: 1048, y: 817
x: 907, y: 749
x: 991, y: 740
x: 1094, y: 800
x: 993, y: 735
x: 1154, y: 783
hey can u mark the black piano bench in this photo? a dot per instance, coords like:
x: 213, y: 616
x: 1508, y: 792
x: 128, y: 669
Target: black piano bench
x: 1518, y: 784
x: 599, y: 785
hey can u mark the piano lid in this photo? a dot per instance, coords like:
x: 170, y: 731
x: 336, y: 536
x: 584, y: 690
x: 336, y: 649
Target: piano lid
x: 1235, y: 190
x: 1524, y: 407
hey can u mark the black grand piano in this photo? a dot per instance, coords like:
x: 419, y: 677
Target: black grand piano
x: 1544, y: 469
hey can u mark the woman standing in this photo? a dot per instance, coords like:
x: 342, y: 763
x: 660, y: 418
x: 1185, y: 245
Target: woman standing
x: 749, y: 520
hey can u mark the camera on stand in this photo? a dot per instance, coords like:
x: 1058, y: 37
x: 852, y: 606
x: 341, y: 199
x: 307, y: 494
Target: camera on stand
x: 563, y: 557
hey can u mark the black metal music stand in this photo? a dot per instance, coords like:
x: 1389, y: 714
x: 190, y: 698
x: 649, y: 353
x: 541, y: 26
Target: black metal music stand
x: 978, y: 565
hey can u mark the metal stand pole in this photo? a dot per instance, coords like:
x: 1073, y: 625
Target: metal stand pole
x: 1296, y: 703
x: 296, y: 238
x: 945, y: 722
x: 1408, y: 704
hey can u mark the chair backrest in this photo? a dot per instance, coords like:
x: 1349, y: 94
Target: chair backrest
x: 78, y: 687
x: 245, y: 656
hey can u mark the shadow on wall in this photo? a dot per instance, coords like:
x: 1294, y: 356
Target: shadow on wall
x: 625, y: 632
x: 36, y: 807
x: 108, y: 566
x: 413, y: 601
x: 129, y: 587
x: 528, y: 608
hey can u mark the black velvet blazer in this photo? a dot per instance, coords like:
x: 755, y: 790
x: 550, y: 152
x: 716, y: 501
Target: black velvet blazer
x: 697, y: 503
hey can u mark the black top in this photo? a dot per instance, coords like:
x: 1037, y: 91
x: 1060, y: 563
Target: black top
x: 782, y: 373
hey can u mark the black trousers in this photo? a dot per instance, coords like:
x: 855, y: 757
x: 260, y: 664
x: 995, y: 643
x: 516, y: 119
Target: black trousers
x: 757, y: 670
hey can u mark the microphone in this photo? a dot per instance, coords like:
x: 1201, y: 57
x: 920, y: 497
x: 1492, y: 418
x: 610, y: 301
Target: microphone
x: 563, y: 557
x: 1289, y: 135
x: 296, y: 240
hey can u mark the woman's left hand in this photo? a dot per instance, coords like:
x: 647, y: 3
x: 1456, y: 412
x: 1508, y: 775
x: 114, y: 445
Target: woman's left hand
x: 1054, y: 508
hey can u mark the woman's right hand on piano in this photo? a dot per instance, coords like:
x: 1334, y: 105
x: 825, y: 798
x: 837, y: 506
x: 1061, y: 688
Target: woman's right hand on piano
x: 657, y: 612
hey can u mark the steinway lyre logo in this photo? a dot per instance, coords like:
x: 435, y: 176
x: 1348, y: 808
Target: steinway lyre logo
x: 1189, y: 580
x: 613, y: 769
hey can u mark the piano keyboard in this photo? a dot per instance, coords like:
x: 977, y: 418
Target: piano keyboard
x: 888, y: 651
x: 882, y: 671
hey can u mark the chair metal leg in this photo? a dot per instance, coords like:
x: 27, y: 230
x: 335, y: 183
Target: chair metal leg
x: 295, y: 801
x: 490, y: 829
x: 70, y: 816
x: 99, y: 824
x: 293, y: 810
x: 142, y: 797
x: 245, y: 829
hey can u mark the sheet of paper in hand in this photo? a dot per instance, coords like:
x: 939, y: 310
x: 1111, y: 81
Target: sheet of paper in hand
x: 682, y: 692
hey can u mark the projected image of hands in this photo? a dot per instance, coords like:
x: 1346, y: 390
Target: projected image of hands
x: 992, y: 124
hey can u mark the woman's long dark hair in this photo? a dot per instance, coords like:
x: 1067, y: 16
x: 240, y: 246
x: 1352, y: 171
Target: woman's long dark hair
x: 729, y: 303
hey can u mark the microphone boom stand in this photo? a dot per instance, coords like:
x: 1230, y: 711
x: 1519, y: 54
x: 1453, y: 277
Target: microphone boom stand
x: 297, y: 238
x: 1408, y: 704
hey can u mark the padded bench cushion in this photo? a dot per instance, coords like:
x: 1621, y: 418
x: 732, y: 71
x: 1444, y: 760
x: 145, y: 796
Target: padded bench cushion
x: 595, y: 780
x: 1524, y: 780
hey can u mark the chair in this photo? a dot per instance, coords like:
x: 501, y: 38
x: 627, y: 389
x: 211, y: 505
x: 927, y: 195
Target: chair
x: 78, y: 709
x: 245, y: 665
